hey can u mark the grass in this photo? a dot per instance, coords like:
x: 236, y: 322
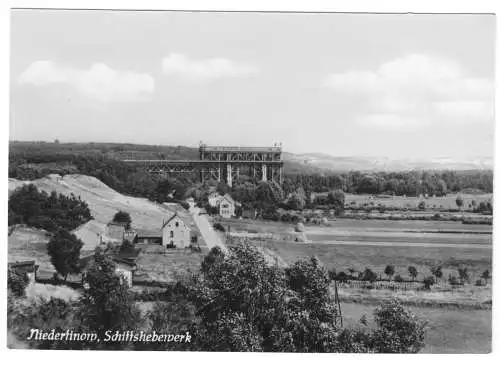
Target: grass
x: 447, y: 202
x: 377, y: 257
x: 449, y: 330
x: 169, y: 265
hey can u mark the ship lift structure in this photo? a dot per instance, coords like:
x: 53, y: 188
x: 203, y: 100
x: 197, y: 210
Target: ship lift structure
x: 223, y: 163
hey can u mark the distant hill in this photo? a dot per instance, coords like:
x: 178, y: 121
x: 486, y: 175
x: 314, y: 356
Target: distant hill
x: 307, y: 163
x: 349, y: 163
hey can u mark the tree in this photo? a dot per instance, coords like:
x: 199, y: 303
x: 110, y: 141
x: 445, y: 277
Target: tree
x: 421, y: 205
x: 17, y: 282
x: 486, y: 275
x: 463, y: 274
x: 437, y: 271
x: 296, y: 202
x: 389, y: 271
x: 459, y: 201
x: 399, y: 331
x: 369, y: 275
x: 123, y: 217
x: 107, y: 304
x: 412, y: 270
x: 336, y: 199
x: 64, y: 251
x: 428, y: 282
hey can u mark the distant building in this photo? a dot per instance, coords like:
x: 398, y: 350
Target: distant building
x: 213, y: 199
x: 28, y: 268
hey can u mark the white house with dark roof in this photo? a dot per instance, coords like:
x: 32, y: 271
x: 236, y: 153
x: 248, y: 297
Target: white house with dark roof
x: 176, y: 233
x: 227, y: 206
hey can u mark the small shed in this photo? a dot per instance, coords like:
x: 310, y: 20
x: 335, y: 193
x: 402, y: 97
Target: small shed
x: 28, y: 268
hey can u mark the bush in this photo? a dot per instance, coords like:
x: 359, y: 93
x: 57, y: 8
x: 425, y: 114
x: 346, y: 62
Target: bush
x: 219, y: 227
x: 453, y: 281
x: 17, y: 282
x: 123, y: 217
x: 428, y: 282
x: 369, y: 275
x: 398, y: 278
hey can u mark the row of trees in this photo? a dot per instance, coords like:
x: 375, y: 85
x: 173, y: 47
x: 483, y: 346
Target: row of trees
x: 28, y: 205
x: 369, y: 275
x: 236, y: 302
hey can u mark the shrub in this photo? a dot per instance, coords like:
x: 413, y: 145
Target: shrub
x: 398, y: 278
x: 17, y: 282
x: 369, y: 275
x: 389, y: 271
x: 219, y: 227
x: 412, y: 270
x: 428, y: 282
x: 453, y: 280
x: 123, y: 217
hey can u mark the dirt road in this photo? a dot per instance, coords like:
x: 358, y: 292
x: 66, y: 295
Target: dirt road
x: 206, y: 229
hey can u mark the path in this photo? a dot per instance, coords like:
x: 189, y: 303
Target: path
x: 208, y: 233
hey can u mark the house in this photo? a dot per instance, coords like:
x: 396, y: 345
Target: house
x: 28, y: 268
x: 227, y: 206
x: 124, y: 267
x: 176, y: 233
x: 117, y: 232
x: 213, y: 199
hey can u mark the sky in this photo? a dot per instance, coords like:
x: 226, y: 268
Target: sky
x: 397, y: 86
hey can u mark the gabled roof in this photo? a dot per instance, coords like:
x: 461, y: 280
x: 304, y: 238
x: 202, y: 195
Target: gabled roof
x: 171, y: 218
x: 113, y: 223
x: 229, y: 199
x: 22, y: 264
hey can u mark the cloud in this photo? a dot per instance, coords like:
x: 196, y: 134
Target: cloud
x: 419, y: 88
x: 213, y: 68
x: 100, y: 82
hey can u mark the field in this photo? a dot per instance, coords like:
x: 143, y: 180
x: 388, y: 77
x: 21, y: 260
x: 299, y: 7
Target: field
x: 449, y: 331
x: 400, y: 202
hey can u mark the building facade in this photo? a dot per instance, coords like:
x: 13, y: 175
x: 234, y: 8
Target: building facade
x: 176, y: 233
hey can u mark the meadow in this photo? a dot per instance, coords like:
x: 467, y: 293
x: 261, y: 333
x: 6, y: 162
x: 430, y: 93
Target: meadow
x: 400, y: 202
x: 449, y: 331
x: 353, y: 244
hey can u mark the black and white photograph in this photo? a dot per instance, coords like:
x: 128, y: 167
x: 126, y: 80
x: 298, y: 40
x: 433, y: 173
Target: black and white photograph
x: 250, y: 181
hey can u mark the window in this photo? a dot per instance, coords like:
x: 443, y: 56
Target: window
x: 177, y: 224
x: 171, y: 233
